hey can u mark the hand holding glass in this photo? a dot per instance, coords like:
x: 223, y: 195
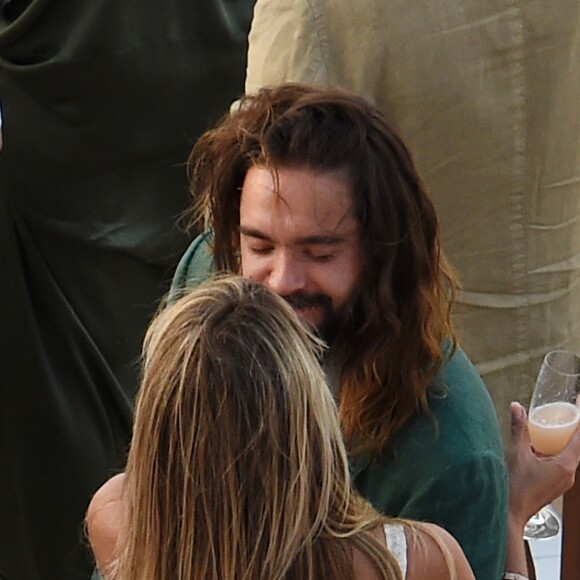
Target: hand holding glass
x: 552, y: 419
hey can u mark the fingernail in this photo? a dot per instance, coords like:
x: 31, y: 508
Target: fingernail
x: 517, y: 410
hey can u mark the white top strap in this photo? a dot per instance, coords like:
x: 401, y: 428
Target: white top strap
x: 397, y: 544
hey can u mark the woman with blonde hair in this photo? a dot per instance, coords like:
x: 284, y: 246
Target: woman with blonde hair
x: 237, y: 468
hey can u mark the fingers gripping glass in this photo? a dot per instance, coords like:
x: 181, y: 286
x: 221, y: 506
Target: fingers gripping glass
x: 552, y: 419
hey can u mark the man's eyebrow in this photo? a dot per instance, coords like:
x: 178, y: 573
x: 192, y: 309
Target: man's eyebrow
x: 319, y: 240
x: 253, y: 233
x: 328, y: 240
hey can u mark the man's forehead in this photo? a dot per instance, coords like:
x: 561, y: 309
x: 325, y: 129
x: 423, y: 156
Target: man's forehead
x: 271, y: 221
x: 305, y: 194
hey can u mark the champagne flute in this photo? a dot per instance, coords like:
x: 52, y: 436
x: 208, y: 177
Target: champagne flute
x: 552, y: 419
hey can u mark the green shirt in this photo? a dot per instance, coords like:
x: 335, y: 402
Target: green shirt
x: 448, y: 468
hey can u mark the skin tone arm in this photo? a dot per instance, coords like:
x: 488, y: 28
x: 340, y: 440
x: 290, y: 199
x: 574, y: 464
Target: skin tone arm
x: 104, y: 520
x: 543, y: 479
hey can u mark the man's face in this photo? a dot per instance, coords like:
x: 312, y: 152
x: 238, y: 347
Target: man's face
x: 302, y: 241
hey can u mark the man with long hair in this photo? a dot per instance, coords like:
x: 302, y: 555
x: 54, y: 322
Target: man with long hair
x: 311, y: 193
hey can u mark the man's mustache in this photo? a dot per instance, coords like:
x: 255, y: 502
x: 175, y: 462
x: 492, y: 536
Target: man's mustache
x: 300, y: 300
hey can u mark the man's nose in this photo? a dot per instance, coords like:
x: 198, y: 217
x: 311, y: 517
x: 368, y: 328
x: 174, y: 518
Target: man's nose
x: 287, y: 275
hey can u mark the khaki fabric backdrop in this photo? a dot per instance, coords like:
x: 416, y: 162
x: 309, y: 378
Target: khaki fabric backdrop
x: 487, y: 92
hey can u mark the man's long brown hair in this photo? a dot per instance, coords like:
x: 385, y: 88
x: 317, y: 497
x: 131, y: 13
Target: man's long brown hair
x: 398, y: 324
x: 237, y: 468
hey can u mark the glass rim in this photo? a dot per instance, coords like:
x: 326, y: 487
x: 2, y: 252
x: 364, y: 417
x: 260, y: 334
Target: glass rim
x: 575, y: 355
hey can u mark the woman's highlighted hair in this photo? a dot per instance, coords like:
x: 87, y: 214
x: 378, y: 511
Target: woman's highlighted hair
x: 237, y: 468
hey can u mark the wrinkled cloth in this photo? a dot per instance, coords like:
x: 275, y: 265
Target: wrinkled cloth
x: 486, y: 94
x: 102, y: 101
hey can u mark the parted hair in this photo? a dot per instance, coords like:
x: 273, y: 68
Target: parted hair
x: 237, y: 469
x: 398, y: 328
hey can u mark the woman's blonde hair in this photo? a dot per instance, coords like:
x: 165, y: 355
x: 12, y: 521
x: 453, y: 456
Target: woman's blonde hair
x: 237, y: 469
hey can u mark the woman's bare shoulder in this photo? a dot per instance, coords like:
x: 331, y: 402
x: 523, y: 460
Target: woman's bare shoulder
x: 108, y: 496
x: 363, y: 567
x: 104, y: 519
x: 434, y: 553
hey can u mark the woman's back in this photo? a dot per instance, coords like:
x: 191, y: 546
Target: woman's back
x: 420, y: 556
x: 237, y: 467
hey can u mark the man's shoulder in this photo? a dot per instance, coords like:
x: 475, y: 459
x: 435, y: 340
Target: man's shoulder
x: 459, y: 427
x: 194, y: 267
x: 457, y: 372
x: 446, y: 465
x: 462, y: 406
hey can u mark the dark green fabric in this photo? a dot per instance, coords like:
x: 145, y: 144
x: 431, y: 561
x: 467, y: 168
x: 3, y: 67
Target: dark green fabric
x: 447, y: 467
x: 102, y: 100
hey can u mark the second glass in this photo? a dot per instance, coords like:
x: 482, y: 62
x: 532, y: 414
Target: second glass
x: 552, y: 419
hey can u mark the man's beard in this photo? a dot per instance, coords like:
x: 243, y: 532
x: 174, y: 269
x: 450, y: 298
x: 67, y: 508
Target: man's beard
x: 333, y: 320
